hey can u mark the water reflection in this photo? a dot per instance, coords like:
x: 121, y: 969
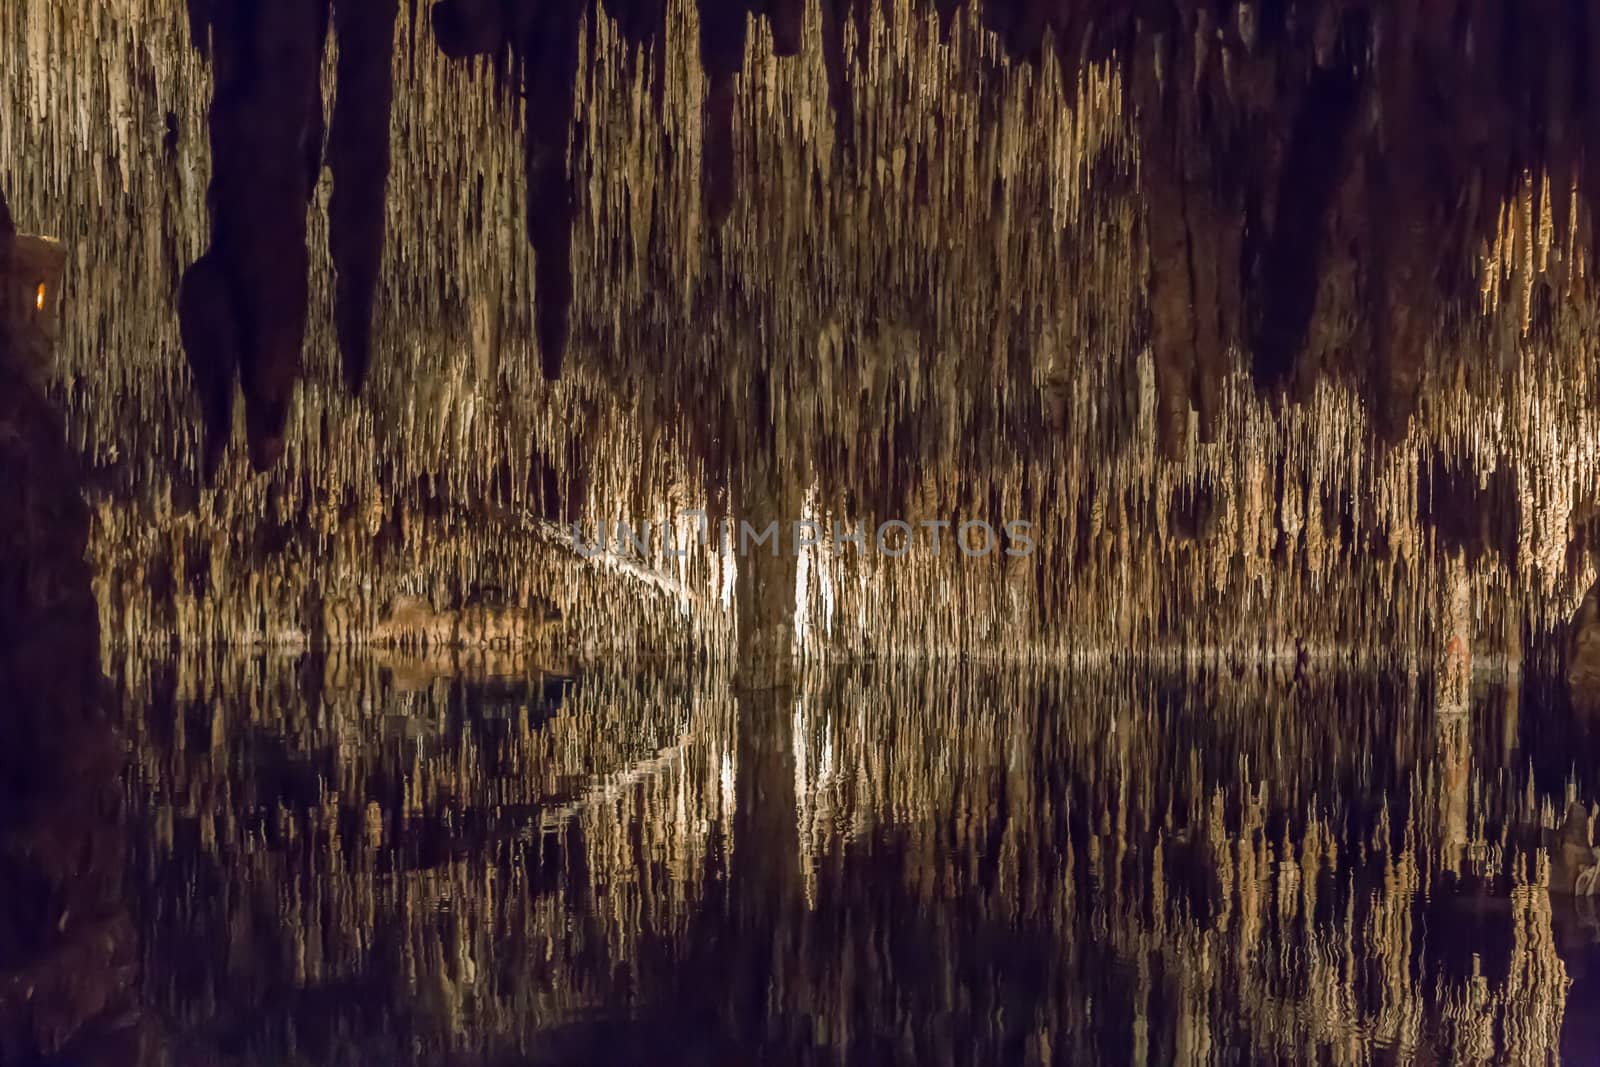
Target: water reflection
x: 919, y: 864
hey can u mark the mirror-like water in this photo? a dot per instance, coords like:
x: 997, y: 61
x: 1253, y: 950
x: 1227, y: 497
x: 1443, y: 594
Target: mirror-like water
x: 359, y: 859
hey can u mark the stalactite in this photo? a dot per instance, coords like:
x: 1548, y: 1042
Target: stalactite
x: 926, y: 359
x: 358, y: 158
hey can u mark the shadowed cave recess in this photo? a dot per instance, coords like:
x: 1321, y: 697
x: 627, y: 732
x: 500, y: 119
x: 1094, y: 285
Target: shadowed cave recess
x: 346, y: 726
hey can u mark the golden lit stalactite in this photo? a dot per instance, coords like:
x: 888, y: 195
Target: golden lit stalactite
x: 1081, y: 273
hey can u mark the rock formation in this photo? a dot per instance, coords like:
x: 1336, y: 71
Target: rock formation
x: 1291, y: 166
x: 928, y: 355
x: 67, y: 946
x: 1583, y: 652
x: 244, y: 302
x: 1273, y: 322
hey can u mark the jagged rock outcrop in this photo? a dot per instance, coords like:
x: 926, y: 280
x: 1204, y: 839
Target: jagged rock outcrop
x: 411, y: 621
x: 67, y: 949
x: 1574, y: 860
x: 478, y: 623
x: 31, y: 270
x: 1583, y: 652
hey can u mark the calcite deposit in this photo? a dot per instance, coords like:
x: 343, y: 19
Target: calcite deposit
x: 916, y: 262
x: 1272, y: 324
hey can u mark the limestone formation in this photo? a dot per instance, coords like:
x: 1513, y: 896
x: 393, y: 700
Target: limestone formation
x: 1023, y: 375
x: 30, y: 303
x: 67, y: 948
x: 1272, y: 322
x: 480, y: 623
x: 358, y: 160
x: 1583, y: 652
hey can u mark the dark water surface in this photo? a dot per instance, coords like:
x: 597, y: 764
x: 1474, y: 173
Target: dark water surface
x: 364, y: 859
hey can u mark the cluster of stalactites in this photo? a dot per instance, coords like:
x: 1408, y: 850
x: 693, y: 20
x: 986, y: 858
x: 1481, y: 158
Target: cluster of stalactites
x: 1014, y: 379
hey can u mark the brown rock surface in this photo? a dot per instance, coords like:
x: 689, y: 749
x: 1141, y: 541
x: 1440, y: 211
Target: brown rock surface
x: 66, y: 944
x: 1583, y: 652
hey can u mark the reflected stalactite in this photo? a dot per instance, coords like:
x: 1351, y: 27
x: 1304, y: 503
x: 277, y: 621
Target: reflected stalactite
x: 765, y: 892
x: 891, y: 850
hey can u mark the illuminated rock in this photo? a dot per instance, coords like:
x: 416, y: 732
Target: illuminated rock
x: 1583, y: 652
x: 31, y: 273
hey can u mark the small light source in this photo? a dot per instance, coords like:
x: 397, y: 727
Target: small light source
x: 38, y: 300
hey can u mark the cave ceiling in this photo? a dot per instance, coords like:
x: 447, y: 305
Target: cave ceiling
x: 1238, y: 302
